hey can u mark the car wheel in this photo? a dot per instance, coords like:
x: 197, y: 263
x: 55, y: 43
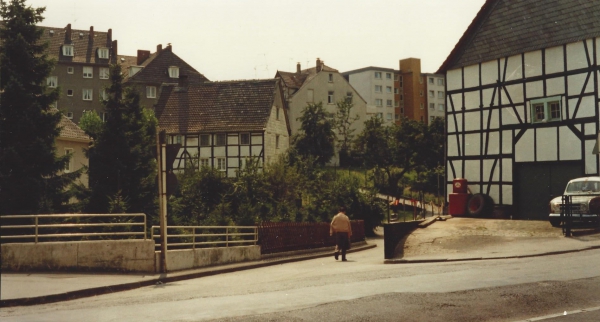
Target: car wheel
x: 555, y: 222
x: 479, y: 205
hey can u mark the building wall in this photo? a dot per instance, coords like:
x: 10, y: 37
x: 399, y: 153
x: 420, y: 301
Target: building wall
x: 435, y: 83
x: 276, y: 128
x: 490, y: 131
x: 414, y: 89
x: 365, y: 81
x: 78, y: 160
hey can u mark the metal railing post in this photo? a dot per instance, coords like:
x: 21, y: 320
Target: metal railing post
x: 227, y: 237
x: 36, y: 229
x: 194, y: 238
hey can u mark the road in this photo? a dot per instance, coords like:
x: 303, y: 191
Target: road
x: 362, y: 289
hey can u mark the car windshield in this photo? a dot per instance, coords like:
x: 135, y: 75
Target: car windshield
x: 583, y: 186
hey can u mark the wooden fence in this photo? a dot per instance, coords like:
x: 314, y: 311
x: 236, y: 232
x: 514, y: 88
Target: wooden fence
x: 282, y: 236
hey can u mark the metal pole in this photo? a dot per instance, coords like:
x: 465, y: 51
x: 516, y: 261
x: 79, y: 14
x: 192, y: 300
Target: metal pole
x: 36, y: 229
x: 162, y: 201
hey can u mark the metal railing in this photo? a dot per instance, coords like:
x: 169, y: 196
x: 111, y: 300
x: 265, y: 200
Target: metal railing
x: 187, y: 236
x: 42, y: 223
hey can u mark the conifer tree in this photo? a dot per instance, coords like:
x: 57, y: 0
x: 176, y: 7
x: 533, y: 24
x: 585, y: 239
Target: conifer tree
x: 122, y: 164
x: 29, y: 168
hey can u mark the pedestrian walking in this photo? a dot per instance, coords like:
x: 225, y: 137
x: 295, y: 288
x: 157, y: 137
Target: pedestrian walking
x: 341, y: 229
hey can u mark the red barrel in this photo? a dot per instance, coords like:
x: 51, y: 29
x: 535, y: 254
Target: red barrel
x: 459, y: 185
x: 457, y: 205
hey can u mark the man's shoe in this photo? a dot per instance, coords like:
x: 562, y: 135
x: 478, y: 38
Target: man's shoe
x: 344, y: 260
x: 335, y: 255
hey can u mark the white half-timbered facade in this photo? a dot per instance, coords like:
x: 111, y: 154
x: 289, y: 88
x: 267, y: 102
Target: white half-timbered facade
x: 522, y: 98
x: 224, y: 124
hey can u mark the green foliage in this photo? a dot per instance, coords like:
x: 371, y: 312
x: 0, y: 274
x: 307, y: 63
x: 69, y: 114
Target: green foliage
x: 343, y: 123
x: 91, y: 123
x: 122, y: 156
x: 315, y: 139
x: 29, y: 168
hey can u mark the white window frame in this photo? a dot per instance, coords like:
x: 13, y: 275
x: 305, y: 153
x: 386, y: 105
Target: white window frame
x: 103, y: 94
x: 389, y: 103
x: 134, y: 70
x: 221, y: 139
x: 103, y: 72
x: 388, y: 75
x: 331, y: 78
x: 69, y: 92
x: 432, y: 106
x: 349, y: 97
x: 431, y: 81
x: 88, y: 72
x: 388, y: 116
x: 52, y: 81
x: 378, y: 88
x: 330, y: 99
x: 68, y: 50
x: 70, y: 115
x: 103, y: 53
x: 440, y: 81
x: 388, y: 89
x: 87, y: 94
x: 173, y: 71
x: 70, y: 70
x: 150, y: 91
x: 545, y: 105
x: 441, y: 107
x: 440, y: 94
x: 422, y: 106
x: 431, y: 93
x: 70, y: 165
x: 204, y: 162
x: 377, y: 75
x: 378, y: 102
x: 221, y: 164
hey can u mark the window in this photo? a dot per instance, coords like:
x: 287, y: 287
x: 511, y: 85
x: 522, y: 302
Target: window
x: 431, y: 118
x: 277, y: 141
x: 400, y: 81
x: 441, y: 81
x: 388, y: 116
x: 388, y: 89
x: 104, y: 72
x: 204, y: 140
x: 378, y: 88
x: 401, y: 97
x: 70, y: 70
x: 432, y: 105
x: 69, y: 92
x: 104, y: 116
x: 389, y: 103
x: 221, y: 164
x: 277, y: 113
x: 221, y: 139
x: 174, y: 72
x: 70, y: 115
x: 204, y: 162
x: 440, y: 94
x: 52, y: 81
x: 421, y: 81
x: 546, y: 109
x: 397, y: 103
x: 377, y: 75
x: 395, y: 91
x: 151, y: 91
x: 431, y: 81
x: 331, y: 78
x: 422, y: 106
x: 330, y: 98
x: 402, y: 110
x: 88, y: 72
x: 421, y: 93
x: 103, y: 94
x: 103, y: 53
x: 349, y: 97
x: 380, y: 116
x: 379, y: 102
x: 244, y: 138
x: 441, y: 107
x: 431, y: 93
x: 87, y: 94
x: 68, y: 50
x: 134, y: 70
x: 397, y: 117
x: 388, y: 75
x: 69, y: 166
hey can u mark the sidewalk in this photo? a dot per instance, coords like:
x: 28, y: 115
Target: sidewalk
x: 40, y: 287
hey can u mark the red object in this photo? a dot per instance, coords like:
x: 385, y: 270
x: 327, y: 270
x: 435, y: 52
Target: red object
x: 458, y: 204
x: 459, y: 185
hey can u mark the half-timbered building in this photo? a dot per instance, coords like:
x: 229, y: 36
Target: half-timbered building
x: 224, y: 124
x: 522, y: 98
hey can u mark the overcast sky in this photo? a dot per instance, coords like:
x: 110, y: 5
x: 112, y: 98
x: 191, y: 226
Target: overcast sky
x: 248, y: 39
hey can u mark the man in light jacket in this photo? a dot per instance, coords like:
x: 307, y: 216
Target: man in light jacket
x: 340, y: 226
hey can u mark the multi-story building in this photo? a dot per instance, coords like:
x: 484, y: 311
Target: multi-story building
x: 82, y: 71
x: 378, y: 86
x: 320, y: 84
x: 412, y: 90
x: 149, y: 72
x: 436, y: 98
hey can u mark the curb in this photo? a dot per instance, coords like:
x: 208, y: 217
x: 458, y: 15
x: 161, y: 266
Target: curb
x: 447, y: 260
x: 177, y: 276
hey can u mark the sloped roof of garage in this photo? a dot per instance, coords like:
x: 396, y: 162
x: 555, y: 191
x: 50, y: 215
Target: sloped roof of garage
x: 507, y: 27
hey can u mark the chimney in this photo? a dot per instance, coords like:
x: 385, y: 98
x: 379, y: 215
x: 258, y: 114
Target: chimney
x: 298, y: 68
x: 68, y: 34
x: 114, y: 48
x: 109, y: 36
x: 319, y: 66
x: 91, y: 33
x: 169, y: 47
x: 159, y: 48
x: 142, y: 55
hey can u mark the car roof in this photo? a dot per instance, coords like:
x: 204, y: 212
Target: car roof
x: 585, y: 179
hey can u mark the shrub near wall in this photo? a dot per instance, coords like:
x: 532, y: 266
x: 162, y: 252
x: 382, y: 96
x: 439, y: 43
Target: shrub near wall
x: 288, y: 236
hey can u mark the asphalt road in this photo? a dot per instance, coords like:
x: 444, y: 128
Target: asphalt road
x: 362, y: 289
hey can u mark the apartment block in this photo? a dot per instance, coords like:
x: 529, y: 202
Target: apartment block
x: 378, y: 87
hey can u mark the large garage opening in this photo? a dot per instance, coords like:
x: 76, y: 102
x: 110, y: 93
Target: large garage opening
x: 536, y: 183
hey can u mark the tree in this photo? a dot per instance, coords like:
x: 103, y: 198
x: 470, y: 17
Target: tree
x: 343, y: 123
x: 315, y: 140
x: 122, y: 163
x: 91, y: 123
x: 30, y: 179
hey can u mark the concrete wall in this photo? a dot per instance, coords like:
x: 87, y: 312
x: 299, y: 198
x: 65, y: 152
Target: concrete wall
x: 111, y: 255
x: 202, y: 257
x: 394, y: 233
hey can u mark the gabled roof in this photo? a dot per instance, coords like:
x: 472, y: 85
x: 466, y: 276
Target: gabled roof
x: 156, y: 69
x: 85, y: 44
x: 507, y: 27
x: 70, y: 131
x: 232, y: 106
x: 296, y: 80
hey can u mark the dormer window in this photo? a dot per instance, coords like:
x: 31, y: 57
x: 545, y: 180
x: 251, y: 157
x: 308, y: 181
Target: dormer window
x: 134, y: 70
x: 174, y: 72
x: 103, y: 53
x: 67, y: 50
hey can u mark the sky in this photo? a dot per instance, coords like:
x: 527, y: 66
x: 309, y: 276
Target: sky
x: 252, y: 39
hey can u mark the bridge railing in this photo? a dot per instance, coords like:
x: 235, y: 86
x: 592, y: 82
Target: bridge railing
x: 33, y: 228
x: 185, y: 237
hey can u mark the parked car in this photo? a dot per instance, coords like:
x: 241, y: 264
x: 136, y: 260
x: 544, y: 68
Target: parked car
x: 585, y: 194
